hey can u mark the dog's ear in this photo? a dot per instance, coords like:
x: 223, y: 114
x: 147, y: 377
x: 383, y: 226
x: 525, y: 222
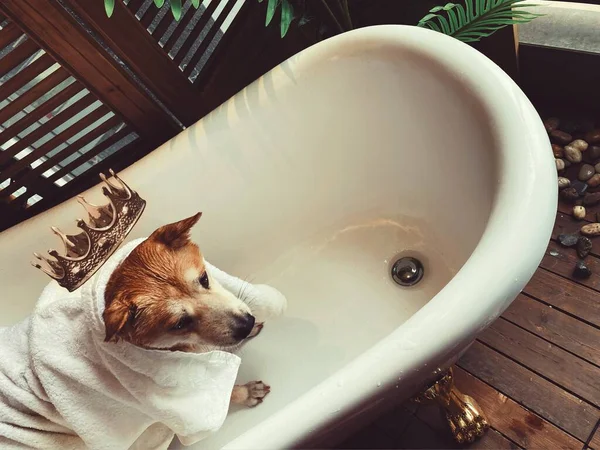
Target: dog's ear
x: 116, y: 317
x: 176, y: 235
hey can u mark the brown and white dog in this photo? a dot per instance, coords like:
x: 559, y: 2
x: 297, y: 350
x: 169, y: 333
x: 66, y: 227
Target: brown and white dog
x: 162, y: 297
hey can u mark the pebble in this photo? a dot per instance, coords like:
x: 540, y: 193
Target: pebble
x: 581, y: 270
x: 579, y: 212
x: 561, y: 137
x: 573, y: 154
x: 593, y: 137
x: 597, y: 167
x: 568, y: 240
x: 594, y: 181
x: 558, y: 151
x: 560, y: 165
x: 564, y: 182
x: 591, y: 199
x: 593, y: 153
x: 586, y: 171
x: 579, y: 144
x: 591, y: 229
x: 584, y: 246
x: 580, y: 187
x: 551, y: 123
x: 569, y: 194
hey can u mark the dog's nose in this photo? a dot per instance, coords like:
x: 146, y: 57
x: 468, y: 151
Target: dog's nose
x: 243, y: 326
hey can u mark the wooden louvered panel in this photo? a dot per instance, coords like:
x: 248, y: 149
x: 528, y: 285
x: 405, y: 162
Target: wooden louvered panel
x: 19, y: 55
x: 25, y: 76
x: 204, y: 21
x: 135, y: 5
x: 178, y: 31
x: 9, y: 34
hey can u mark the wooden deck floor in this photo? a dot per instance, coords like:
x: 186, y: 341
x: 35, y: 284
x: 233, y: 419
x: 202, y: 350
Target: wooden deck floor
x: 535, y: 371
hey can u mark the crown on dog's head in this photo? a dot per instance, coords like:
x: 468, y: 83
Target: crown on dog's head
x: 107, y: 227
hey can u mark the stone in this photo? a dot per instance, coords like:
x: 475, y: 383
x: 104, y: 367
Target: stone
x: 564, y: 182
x: 567, y: 240
x: 579, y: 144
x: 558, y: 151
x: 584, y: 246
x: 573, y: 154
x: 551, y: 123
x: 591, y: 229
x: 594, y: 181
x: 586, y: 171
x: 567, y: 163
x: 592, y: 155
x: 580, y: 187
x: 592, y: 137
x: 597, y: 167
x: 579, y: 212
x: 560, y: 165
x: 569, y: 194
x: 591, y: 199
x: 581, y: 270
x: 560, y: 137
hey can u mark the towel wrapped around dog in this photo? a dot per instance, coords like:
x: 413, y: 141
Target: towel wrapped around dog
x: 62, y: 386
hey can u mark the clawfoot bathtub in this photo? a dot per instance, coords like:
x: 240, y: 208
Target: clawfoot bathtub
x: 380, y: 143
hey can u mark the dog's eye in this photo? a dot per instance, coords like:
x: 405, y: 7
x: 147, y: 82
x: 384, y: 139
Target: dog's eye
x: 183, y: 323
x: 203, y: 280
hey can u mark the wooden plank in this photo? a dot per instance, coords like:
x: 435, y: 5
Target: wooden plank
x: 25, y: 76
x: 595, y: 441
x: 566, y: 295
x: 561, y: 261
x: 525, y: 428
x: 33, y: 94
x: 18, y: 55
x: 46, y: 128
x: 215, y: 28
x: 56, y: 141
x: 38, y: 113
x: 572, y: 373
x: 531, y: 390
x: 559, y: 328
x: 32, y: 174
x: 50, y: 25
x: 9, y: 34
x: 132, y: 43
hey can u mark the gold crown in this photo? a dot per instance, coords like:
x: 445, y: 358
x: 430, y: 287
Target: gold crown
x: 108, y: 227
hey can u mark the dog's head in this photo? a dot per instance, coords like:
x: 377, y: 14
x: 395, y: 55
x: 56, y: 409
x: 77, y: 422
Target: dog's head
x: 161, y: 296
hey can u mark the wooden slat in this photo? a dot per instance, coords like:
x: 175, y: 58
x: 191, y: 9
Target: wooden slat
x: 25, y: 76
x: 216, y: 27
x: 33, y: 94
x: 162, y: 26
x: 197, y: 31
x: 135, y: 5
x: 561, y: 329
x: 562, y: 260
x: 48, y: 23
x: 149, y: 16
x: 531, y: 390
x: 132, y: 43
x: 9, y: 34
x: 97, y: 132
x: 179, y: 29
x: 525, y: 428
x: 46, y: 128
x: 57, y: 140
x: 45, y: 108
x: 572, y: 373
x: 18, y: 55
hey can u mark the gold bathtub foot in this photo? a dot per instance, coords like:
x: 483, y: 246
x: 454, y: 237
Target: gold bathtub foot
x: 465, y: 418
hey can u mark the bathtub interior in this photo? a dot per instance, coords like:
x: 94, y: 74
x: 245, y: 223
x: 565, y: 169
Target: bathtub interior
x: 314, y: 179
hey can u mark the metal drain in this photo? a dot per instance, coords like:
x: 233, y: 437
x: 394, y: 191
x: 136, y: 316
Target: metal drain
x: 407, y: 271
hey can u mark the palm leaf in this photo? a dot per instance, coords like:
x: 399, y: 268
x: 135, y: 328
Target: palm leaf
x: 159, y: 3
x: 109, y: 7
x: 479, y: 19
x: 196, y: 3
x: 271, y: 8
x: 287, y: 16
x: 176, y: 9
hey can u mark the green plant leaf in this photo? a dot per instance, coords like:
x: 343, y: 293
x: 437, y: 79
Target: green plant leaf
x: 109, y: 7
x: 159, y: 3
x: 196, y: 3
x: 478, y: 19
x: 176, y: 9
x: 271, y: 8
x: 287, y: 16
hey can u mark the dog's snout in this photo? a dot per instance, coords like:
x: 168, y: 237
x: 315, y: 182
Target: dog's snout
x: 243, y: 326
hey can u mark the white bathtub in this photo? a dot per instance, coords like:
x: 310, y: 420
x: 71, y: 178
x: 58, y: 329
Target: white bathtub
x: 381, y: 142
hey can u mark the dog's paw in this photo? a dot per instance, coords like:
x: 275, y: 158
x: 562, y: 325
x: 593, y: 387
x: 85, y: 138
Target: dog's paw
x: 256, y: 330
x: 257, y: 391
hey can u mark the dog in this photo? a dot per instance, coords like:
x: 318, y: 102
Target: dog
x: 162, y: 297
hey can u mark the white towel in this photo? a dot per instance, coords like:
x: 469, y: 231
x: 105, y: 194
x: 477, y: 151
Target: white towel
x: 62, y: 386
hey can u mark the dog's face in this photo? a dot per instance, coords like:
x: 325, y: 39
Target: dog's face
x: 161, y: 296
